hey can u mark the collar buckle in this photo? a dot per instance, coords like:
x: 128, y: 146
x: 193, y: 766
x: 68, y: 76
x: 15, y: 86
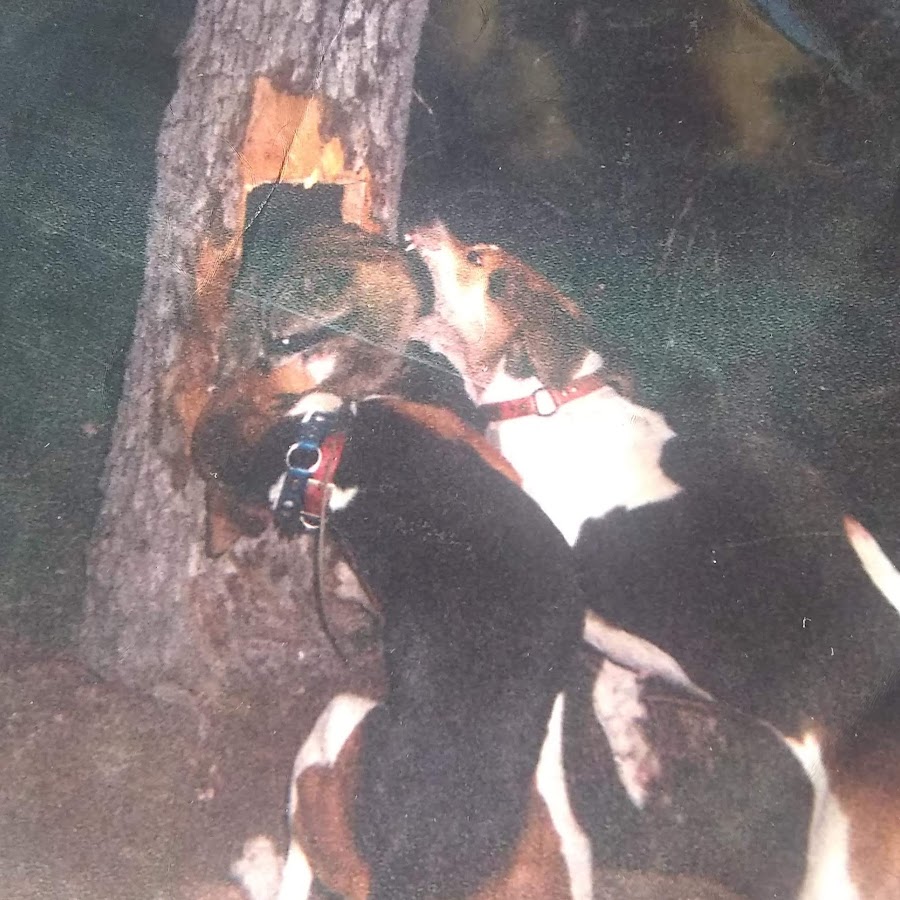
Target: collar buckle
x: 310, y: 462
x: 545, y: 404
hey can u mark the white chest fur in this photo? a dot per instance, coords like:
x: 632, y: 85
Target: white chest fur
x: 594, y: 454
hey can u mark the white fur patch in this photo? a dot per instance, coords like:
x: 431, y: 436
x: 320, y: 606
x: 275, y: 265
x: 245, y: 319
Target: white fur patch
x: 551, y: 785
x: 874, y: 561
x: 275, y: 490
x: 463, y: 307
x: 316, y: 401
x: 259, y: 868
x: 321, y: 366
x: 340, y: 498
x: 593, y: 362
x: 594, y: 454
x: 828, y: 846
x: 332, y: 730
x: 322, y: 747
x: 297, y: 875
x: 619, y: 710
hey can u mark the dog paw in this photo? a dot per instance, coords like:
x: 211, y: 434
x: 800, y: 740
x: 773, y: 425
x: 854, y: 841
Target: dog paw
x: 258, y: 870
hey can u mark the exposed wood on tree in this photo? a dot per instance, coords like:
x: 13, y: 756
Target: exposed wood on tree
x: 303, y: 91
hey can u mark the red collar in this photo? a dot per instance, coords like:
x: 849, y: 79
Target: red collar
x: 544, y: 401
x: 315, y: 497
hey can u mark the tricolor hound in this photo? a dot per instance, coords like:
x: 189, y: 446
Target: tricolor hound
x: 719, y: 546
x: 453, y: 785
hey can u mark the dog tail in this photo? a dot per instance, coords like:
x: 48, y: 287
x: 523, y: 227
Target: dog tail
x: 874, y: 561
x: 636, y: 653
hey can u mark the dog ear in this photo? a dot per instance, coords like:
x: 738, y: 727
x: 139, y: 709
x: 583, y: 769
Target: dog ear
x: 227, y: 520
x: 225, y: 452
x: 552, y: 332
x: 518, y: 360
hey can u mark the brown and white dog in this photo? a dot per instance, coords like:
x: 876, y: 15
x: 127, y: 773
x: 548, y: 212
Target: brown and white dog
x: 453, y: 784
x: 721, y: 547
x: 524, y: 351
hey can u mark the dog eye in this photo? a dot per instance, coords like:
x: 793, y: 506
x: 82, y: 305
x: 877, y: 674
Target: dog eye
x: 303, y: 341
x: 473, y: 257
x: 497, y: 283
x: 287, y: 346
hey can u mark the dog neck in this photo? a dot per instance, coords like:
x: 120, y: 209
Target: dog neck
x: 503, y: 386
x: 595, y: 453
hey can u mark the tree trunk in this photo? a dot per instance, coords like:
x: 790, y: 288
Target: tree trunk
x: 298, y: 91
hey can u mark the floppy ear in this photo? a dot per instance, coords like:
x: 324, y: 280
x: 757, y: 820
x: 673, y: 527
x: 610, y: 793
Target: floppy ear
x: 553, y: 333
x: 227, y: 520
x: 225, y: 451
x: 518, y: 360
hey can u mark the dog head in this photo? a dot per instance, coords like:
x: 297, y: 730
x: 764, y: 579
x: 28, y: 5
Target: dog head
x: 498, y: 309
x: 336, y: 313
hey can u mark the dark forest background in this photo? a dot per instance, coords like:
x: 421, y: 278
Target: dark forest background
x: 757, y: 266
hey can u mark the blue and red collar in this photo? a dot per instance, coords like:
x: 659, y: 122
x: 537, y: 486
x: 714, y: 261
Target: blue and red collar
x: 310, y: 463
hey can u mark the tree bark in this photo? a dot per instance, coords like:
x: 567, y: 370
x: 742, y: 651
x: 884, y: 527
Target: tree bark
x: 302, y: 91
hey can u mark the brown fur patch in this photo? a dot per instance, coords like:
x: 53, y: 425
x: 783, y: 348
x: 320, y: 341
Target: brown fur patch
x: 447, y: 425
x: 548, y: 328
x: 322, y: 822
x: 866, y: 782
x: 240, y: 413
x: 875, y: 838
x: 537, y: 870
x: 235, y: 419
x: 227, y: 520
x: 322, y: 827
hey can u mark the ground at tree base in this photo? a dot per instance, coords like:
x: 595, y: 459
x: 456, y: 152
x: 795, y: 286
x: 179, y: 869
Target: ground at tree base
x: 109, y: 795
